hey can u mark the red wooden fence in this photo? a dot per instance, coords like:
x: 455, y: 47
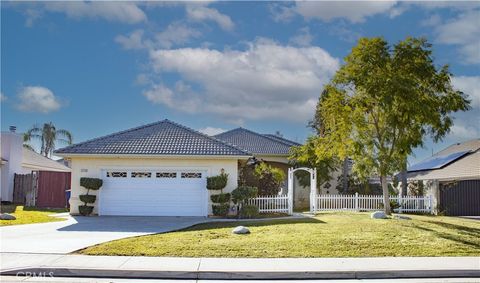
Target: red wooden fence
x: 51, y: 188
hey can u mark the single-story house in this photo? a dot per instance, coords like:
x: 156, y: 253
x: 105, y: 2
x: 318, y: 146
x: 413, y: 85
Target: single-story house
x: 452, y: 177
x: 19, y: 160
x: 161, y: 168
x: 158, y: 169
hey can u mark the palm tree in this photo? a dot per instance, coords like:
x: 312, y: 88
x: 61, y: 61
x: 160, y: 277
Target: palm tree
x: 48, y: 135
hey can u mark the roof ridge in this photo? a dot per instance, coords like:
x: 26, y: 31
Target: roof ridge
x: 207, y: 136
x: 280, y: 139
x: 112, y: 135
x: 460, y: 143
x: 258, y: 134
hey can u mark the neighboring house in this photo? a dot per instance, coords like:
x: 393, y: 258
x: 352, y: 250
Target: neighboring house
x: 19, y: 160
x: 158, y: 169
x: 273, y: 150
x: 453, y: 178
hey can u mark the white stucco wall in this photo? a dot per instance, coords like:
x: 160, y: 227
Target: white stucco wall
x: 11, y: 150
x: 91, y: 167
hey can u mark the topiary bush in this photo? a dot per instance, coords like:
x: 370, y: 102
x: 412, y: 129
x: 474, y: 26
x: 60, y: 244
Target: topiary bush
x: 217, y: 182
x: 89, y: 184
x: 220, y: 198
x: 220, y: 209
x: 222, y: 201
x: 240, y: 196
x: 88, y: 198
x: 85, y: 210
x: 249, y: 211
x: 244, y: 193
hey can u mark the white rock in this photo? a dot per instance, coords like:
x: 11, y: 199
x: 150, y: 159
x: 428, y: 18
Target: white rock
x: 241, y: 230
x: 378, y: 215
x: 6, y: 216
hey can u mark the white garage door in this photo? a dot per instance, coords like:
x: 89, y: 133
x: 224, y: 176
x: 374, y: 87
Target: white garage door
x: 156, y: 192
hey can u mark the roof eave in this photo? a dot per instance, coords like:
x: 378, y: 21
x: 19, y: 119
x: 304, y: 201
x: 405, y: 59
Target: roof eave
x: 70, y: 155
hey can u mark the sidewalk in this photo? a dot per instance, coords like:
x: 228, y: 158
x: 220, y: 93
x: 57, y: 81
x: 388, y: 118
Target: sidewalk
x: 238, y: 268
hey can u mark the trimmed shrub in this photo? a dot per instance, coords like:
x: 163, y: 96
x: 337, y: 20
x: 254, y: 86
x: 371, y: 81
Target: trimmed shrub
x: 249, y: 211
x: 85, y: 210
x: 91, y: 183
x: 220, y: 209
x: 220, y: 198
x: 217, y: 182
x: 244, y: 193
x: 88, y: 198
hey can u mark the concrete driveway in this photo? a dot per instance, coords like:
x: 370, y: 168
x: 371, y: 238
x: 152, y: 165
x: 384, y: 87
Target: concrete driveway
x: 79, y: 232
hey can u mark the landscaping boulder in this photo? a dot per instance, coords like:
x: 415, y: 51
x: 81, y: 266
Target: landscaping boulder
x: 401, y: 217
x: 6, y: 216
x: 241, y: 230
x: 378, y: 215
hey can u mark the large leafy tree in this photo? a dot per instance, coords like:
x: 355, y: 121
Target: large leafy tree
x: 305, y: 155
x: 48, y: 135
x: 382, y: 103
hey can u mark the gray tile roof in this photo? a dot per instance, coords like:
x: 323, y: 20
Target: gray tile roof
x: 283, y: 140
x: 160, y: 138
x: 257, y: 143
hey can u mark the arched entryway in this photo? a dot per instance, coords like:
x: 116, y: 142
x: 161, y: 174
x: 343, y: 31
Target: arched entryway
x: 313, y: 185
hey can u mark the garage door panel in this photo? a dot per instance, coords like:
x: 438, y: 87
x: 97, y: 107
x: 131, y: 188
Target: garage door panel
x: 154, y: 196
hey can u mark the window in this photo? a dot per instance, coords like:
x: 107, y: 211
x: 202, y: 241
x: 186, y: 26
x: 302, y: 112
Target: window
x: 166, y: 175
x: 141, y: 174
x: 116, y: 174
x: 191, y: 175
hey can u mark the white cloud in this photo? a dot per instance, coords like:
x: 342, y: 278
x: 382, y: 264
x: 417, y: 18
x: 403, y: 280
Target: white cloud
x: 265, y: 81
x: 470, y: 86
x: 37, y: 99
x: 2, y: 97
x: 432, y: 21
x: 463, y: 31
x: 201, y: 13
x: 31, y: 16
x: 211, y: 131
x: 302, y: 38
x: 181, y: 98
x: 460, y: 131
x: 134, y: 40
x: 124, y: 12
x: 176, y: 34
x: 353, y: 11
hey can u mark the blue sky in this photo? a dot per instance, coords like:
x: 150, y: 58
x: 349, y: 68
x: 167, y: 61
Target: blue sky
x: 96, y: 68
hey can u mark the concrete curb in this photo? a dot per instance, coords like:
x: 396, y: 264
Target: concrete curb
x: 240, y: 275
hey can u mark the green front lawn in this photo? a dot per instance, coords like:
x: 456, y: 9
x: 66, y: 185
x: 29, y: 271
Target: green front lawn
x: 28, y: 215
x: 327, y: 235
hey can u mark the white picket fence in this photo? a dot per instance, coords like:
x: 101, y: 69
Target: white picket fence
x: 371, y: 202
x: 271, y: 204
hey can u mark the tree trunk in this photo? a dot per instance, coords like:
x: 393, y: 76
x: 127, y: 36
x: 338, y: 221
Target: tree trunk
x: 386, y: 195
x: 345, y: 175
x: 403, y: 175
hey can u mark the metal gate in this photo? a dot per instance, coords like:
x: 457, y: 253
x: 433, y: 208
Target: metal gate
x: 461, y: 198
